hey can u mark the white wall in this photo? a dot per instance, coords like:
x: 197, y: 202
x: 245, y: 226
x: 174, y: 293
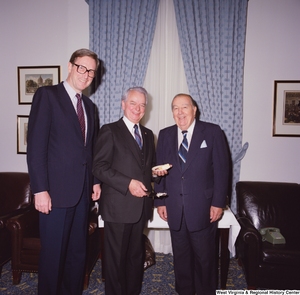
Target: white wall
x: 40, y: 32
x: 272, y: 53
x: 33, y: 33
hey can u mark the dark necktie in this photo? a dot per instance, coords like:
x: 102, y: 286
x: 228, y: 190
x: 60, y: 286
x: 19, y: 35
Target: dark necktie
x: 80, y: 115
x: 183, y: 149
x: 137, y: 136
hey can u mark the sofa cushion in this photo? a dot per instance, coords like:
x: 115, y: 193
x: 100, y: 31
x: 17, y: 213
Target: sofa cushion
x: 281, y: 254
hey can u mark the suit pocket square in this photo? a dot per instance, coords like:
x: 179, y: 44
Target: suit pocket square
x: 203, y: 144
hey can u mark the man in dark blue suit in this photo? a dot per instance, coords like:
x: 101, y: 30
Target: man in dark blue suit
x: 61, y: 130
x: 196, y: 189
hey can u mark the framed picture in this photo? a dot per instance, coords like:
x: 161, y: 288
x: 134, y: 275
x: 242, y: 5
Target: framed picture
x: 22, y: 127
x: 31, y: 78
x: 286, y: 118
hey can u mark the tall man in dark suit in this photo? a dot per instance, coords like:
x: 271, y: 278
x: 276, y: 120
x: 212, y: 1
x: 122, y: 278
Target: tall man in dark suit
x: 196, y: 189
x: 59, y: 156
x: 123, y: 161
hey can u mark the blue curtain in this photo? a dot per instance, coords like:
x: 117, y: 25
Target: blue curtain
x: 212, y: 39
x: 121, y: 33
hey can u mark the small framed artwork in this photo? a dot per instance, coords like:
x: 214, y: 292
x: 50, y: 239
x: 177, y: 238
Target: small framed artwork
x: 31, y: 78
x: 286, y: 116
x: 22, y: 128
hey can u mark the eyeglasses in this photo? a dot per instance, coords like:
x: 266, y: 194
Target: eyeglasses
x: 82, y: 70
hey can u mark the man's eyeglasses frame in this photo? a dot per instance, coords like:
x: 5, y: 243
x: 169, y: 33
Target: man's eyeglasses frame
x: 82, y: 70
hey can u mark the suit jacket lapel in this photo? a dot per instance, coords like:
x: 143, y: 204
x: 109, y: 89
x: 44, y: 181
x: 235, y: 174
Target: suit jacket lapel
x: 173, y: 142
x: 65, y: 100
x: 89, y: 118
x: 70, y: 111
x: 145, y: 140
x: 194, y: 145
x: 129, y: 140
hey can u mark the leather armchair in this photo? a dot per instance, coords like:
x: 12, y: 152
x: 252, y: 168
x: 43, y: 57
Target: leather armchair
x: 15, y: 198
x: 269, y: 204
x: 26, y: 244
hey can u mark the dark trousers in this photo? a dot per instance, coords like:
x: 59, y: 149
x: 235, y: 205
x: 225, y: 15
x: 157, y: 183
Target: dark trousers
x: 124, y: 257
x: 63, y: 234
x: 195, y: 257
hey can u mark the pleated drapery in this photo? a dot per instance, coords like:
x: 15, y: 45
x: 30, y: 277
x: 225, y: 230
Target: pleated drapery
x: 212, y: 38
x: 121, y: 33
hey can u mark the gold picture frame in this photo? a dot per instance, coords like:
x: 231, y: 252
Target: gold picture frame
x: 31, y: 78
x: 286, y: 115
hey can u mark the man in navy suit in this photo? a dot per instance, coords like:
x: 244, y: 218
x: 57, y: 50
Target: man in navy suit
x: 123, y: 164
x: 59, y: 157
x: 196, y: 189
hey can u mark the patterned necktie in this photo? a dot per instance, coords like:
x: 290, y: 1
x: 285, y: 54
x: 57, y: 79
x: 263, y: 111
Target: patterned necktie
x: 183, y: 149
x: 137, y: 136
x: 80, y: 115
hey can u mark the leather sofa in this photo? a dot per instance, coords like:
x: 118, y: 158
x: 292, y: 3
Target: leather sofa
x: 26, y: 245
x: 267, y: 264
x: 15, y: 199
x: 19, y: 228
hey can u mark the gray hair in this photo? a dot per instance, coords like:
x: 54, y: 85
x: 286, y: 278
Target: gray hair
x: 138, y: 89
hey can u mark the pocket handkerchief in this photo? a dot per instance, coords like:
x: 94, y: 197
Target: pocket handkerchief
x: 203, y: 144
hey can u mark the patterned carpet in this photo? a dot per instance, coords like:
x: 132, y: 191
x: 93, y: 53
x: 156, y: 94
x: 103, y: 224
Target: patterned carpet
x: 158, y: 279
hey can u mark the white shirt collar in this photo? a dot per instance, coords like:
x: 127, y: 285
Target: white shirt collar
x: 70, y: 90
x: 190, y: 131
x: 130, y: 125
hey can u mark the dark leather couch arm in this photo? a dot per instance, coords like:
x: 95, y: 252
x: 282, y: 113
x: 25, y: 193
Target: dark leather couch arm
x: 249, y: 233
x: 24, y: 224
x: 249, y: 245
x: 5, y: 218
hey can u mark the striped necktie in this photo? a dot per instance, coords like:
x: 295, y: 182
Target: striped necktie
x: 183, y: 149
x: 137, y: 136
